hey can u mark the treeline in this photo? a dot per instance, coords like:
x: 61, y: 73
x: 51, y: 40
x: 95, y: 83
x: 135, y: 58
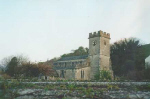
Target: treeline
x: 20, y: 67
x: 127, y: 60
x: 80, y: 51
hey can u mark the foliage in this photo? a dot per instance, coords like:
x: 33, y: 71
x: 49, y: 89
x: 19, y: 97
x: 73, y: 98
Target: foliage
x: 4, y: 85
x: 71, y: 86
x: 138, y: 75
x: 144, y: 87
x: 20, y: 59
x: 10, y: 70
x: 44, y: 69
x: 126, y: 56
x: 97, y: 76
x: 5, y: 76
x: 19, y: 67
x: 80, y: 51
x: 147, y: 74
x: 112, y: 87
x: 34, y: 70
x: 30, y: 70
x: 135, y: 75
x: 12, y: 64
x: 105, y: 75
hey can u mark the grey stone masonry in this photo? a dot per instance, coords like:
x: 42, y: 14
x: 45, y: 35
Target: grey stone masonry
x: 99, y: 52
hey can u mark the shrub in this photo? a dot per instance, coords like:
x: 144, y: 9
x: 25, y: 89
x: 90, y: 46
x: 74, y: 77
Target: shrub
x: 147, y: 73
x: 71, y: 86
x: 5, y: 76
x: 105, y: 75
x: 97, y: 76
x: 4, y: 85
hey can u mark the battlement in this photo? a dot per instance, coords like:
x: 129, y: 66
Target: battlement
x: 99, y: 34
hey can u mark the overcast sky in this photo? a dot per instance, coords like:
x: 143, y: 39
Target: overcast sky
x: 43, y: 29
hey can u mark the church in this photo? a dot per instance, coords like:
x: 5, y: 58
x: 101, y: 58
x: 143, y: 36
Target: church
x: 86, y: 67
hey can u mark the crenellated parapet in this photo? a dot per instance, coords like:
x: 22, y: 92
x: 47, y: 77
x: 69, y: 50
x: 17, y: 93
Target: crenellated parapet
x: 99, y: 34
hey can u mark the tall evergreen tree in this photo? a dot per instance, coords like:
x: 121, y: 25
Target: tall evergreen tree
x: 10, y: 69
x: 124, y: 55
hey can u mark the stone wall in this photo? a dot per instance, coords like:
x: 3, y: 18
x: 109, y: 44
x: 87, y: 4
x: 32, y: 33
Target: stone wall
x: 68, y: 74
x: 94, y: 55
x: 86, y: 73
x: 104, y: 53
x: 75, y: 74
x: 105, y: 46
x: 104, y: 63
x: 94, y: 65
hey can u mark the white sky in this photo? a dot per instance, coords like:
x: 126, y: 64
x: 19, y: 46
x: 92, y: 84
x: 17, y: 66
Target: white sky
x: 43, y: 29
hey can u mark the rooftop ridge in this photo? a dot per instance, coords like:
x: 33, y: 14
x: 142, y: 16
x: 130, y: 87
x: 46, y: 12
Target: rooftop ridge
x: 73, y: 57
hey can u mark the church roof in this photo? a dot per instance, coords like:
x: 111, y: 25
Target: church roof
x: 73, y: 58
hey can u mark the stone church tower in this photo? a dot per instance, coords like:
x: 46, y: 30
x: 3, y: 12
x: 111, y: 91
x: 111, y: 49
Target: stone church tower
x: 99, y: 53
